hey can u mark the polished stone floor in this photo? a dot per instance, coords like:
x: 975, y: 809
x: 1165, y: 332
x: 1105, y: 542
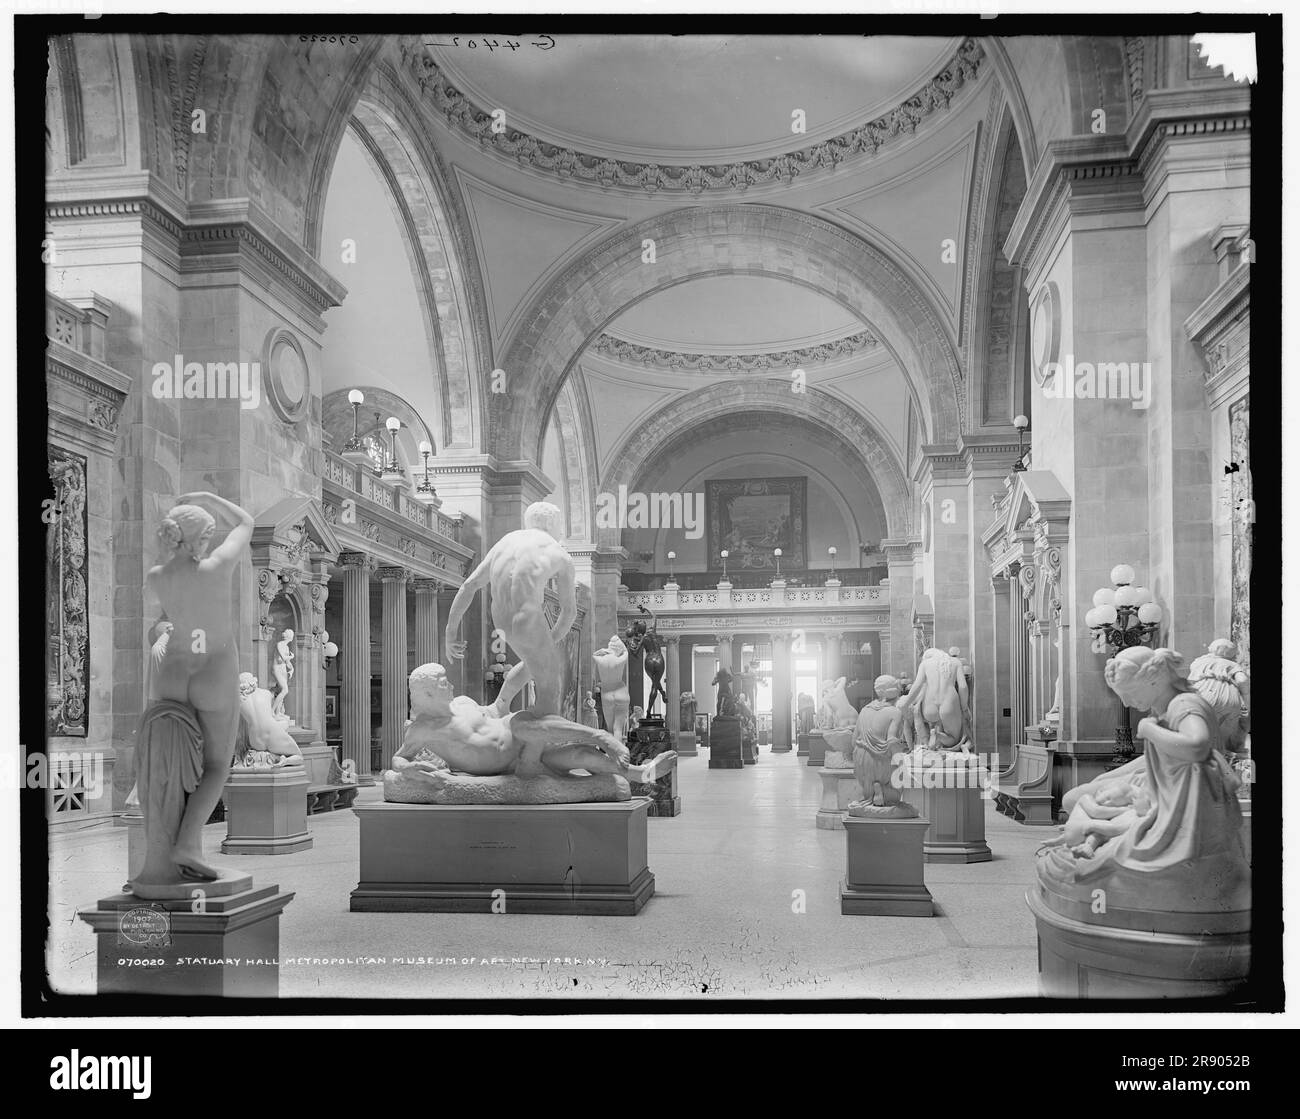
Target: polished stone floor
x: 722, y: 923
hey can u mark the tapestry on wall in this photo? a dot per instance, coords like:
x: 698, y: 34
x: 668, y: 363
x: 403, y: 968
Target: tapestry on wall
x: 1243, y: 518
x: 66, y: 598
x: 751, y: 517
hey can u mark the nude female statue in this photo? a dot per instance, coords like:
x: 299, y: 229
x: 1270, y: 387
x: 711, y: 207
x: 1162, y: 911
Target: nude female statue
x: 267, y: 742
x: 282, y: 670
x: 200, y: 669
x: 938, y: 703
x: 611, y: 667
x: 518, y: 569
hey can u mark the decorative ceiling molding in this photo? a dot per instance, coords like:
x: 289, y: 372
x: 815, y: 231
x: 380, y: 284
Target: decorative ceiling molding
x: 477, y: 124
x: 609, y: 346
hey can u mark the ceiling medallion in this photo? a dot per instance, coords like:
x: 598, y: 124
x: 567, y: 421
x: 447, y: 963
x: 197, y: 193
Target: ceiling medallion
x: 610, y: 346
x: 477, y: 123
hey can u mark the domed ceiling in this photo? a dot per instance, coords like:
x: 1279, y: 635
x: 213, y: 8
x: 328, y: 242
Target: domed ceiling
x: 692, y: 98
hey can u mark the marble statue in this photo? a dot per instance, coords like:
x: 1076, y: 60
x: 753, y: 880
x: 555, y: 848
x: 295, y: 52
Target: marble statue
x: 589, y: 717
x: 748, y: 724
x: 282, y: 670
x: 456, y: 751
x: 835, y: 710
x: 187, y: 733
x: 686, y: 713
x: 611, y: 668
x: 517, y: 570
x: 938, y: 703
x: 263, y: 743
x: 1162, y: 832
x: 1222, y: 682
x: 878, y: 751
x: 156, y: 653
x: 807, y: 712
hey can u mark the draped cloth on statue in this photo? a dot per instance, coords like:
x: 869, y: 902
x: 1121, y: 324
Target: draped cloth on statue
x: 168, y: 764
x: 873, y: 759
x: 1185, y: 853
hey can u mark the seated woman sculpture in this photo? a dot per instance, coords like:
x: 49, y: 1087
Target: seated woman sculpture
x: 1179, y: 846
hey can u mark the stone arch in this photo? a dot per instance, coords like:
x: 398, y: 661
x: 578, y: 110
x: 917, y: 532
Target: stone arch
x: 577, y: 437
x: 722, y: 240
x: 389, y: 125
x: 866, y: 453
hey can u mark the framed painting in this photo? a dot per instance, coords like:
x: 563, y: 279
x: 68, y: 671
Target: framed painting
x: 751, y: 517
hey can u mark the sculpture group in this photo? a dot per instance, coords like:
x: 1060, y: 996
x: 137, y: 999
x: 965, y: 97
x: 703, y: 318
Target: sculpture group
x: 458, y: 751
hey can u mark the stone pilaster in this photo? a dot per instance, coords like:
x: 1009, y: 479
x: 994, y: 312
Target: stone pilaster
x: 833, y: 660
x: 354, y: 660
x: 394, y: 668
x: 427, y: 625
x: 947, y: 530
x: 901, y: 659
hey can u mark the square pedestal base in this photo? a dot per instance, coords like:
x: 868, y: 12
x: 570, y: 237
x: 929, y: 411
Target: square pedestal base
x: 230, y: 950
x: 266, y: 813
x: 725, y: 743
x: 661, y: 793
x: 885, y: 869
x: 801, y: 746
x: 552, y: 858
x: 816, y: 749
x: 686, y: 746
x: 956, y: 818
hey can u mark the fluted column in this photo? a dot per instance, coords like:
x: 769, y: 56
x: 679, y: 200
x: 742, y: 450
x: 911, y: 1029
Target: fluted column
x: 724, y: 652
x: 427, y: 626
x: 393, y: 662
x: 673, y: 686
x: 780, y: 693
x: 354, y: 660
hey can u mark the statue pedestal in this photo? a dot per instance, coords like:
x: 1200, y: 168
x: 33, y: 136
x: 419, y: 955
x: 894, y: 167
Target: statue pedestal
x: 574, y: 859
x: 816, y: 749
x: 725, y: 743
x: 686, y: 745
x: 839, y: 790
x: 748, y: 751
x: 885, y: 868
x: 135, y: 843
x: 231, y: 949
x: 801, y: 744
x: 648, y: 741
x: 1137, y: 955
x: 950, y: 794
x: 266, y: 812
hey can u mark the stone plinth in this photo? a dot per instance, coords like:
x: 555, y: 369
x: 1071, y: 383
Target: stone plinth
x: 687, y: 747
x: 661, y: 792
x: 885, y: 868
x: 563, y: 858
x: 816, y: 749
x: 801, y: 744
x: 1137, y: 954
x: 839, y: 789
x: 725, y: 743
x: 266, y: 812
x: 749, y: 751
x: 231, y: 949
x: 950, y: 793
x: 316, y: 756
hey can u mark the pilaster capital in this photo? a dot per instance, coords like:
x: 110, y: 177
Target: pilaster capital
x: 422, y: 584
x: 898, y: 550
x: 393, y: 574
x: 355, y: 559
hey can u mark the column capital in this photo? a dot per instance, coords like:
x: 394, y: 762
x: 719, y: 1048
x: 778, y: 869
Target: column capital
x: 671, y: 640
x: 393, y: 574
x: 898, y: 550
x: 719, y: 638
x: 423, y: 584
x: 355, y: 559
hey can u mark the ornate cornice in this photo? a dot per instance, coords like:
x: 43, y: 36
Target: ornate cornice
x: 609, y: 346
x: 476, y: 124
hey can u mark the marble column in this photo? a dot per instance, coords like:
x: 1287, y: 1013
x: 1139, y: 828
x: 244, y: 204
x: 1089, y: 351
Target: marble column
x: 833, y: 665
x: 780, y: 693
x: 427, y: 625
x: 673, y: 685
x: 394, y: 668
x: 354, y: 660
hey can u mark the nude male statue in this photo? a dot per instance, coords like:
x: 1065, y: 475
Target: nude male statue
x: 200, y: 666
x: 611, y: 667
x: 518, y: 569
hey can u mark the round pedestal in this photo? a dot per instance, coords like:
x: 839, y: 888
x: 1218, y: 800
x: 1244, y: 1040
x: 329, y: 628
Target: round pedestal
x: 839, y: 790
x: 1082, y: 960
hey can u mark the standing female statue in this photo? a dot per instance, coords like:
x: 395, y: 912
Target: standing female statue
x: 187, y: 736
x: 282, y: 670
